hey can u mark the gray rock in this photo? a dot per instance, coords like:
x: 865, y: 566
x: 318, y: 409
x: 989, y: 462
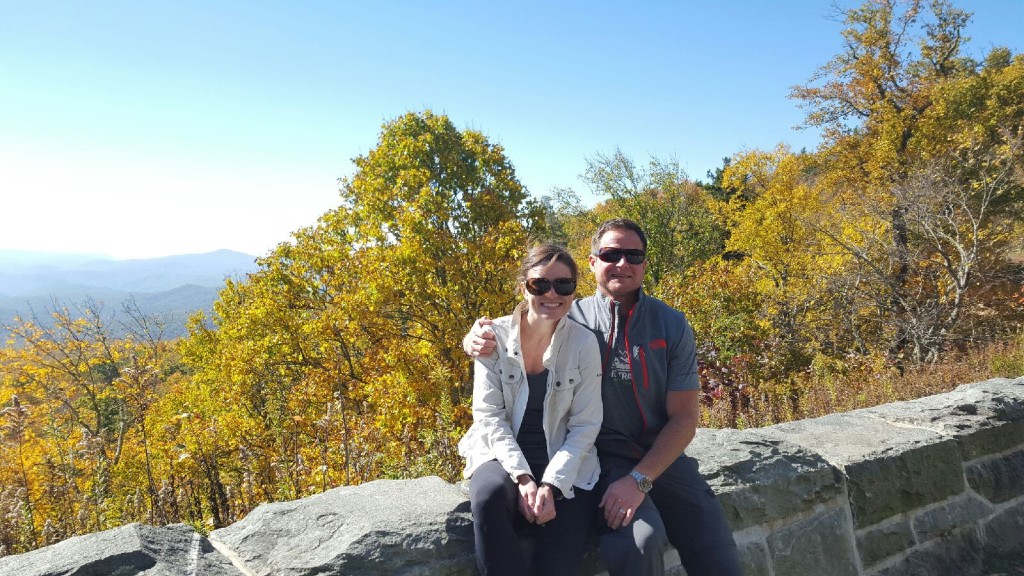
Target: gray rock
x: 998, y: 479
x: 400, y: 527
x: 888, y: 469
x: 1003, y: 535
x: 942, y: 520
x: 821, y: 544
x: 984, y: 418
x: 956, y: 554
x: 759, y: 477
x: 884, y: 540
x: 754, y: 559
x: 132, y: 550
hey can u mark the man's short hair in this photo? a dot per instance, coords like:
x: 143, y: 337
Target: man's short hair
x: 616, y: 224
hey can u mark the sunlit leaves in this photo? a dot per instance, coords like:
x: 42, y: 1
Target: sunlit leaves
x: 339, y: 360
x: 75, y: 448
x: 661, y: 198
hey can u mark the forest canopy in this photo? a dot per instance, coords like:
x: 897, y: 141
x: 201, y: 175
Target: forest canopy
x: 814, y: 280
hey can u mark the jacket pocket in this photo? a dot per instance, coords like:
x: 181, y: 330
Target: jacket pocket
x: 509, y: 371
x: 511, y: 376
x: 563, y: 389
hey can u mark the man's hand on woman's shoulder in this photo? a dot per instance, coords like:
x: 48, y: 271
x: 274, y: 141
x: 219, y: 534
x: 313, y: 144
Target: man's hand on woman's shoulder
x: 480, y: 340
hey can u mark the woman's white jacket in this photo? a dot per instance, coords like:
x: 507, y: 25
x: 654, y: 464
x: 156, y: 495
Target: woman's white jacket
x: 572, y: 405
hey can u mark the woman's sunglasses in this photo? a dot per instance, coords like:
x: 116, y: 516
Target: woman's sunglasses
x: 613, y: 255
x: 540, y: 286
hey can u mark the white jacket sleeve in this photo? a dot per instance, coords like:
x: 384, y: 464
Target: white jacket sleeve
x: 493, y: 417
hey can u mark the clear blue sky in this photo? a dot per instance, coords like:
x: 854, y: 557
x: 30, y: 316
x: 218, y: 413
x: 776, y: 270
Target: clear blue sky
x: 141, y: 129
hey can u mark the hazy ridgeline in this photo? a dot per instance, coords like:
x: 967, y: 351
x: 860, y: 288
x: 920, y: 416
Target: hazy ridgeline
x: 35, y: 285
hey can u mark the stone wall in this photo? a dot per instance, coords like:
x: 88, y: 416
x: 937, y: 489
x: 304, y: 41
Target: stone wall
x: 932, y: 486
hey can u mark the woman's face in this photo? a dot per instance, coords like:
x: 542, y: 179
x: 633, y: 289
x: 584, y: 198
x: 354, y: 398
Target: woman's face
x: 549, y: 305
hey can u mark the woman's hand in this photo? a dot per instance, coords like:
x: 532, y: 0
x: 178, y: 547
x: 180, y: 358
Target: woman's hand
x: 527, y: 497
x: 544, y: 504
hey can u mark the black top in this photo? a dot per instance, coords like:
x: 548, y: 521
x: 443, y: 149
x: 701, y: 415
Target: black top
x: 531, y: 437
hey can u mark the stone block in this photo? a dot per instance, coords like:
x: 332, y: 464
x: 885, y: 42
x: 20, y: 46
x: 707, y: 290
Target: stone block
x: 998, y: 479
x: 820, y: 544
x: 889, y: 469
x: 1003, y: 537
x: 414, y: 527
x: 984, y: 418
x: 956, y: 554
x: 754, y: 559
x: 760, y: 478
x: 881, y: 541
x: 947, y: 518
x: 131, y: 550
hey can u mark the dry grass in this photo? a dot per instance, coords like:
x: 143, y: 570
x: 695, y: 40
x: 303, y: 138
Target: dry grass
x: 831, y: 386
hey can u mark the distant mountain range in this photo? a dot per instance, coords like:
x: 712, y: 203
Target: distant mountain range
x: 171, y: 288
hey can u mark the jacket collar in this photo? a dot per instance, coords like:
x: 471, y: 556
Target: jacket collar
x: 605, y: 302
x: 512, y: 348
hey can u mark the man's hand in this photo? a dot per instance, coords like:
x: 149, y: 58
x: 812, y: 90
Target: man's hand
x: 480, y: 340
x: 620, y: 502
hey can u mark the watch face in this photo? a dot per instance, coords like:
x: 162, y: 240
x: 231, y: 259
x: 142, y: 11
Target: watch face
x: 642, y: 482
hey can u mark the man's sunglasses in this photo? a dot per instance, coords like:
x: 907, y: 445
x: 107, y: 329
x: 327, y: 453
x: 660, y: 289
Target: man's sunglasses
x: 613, y: 255
x: 540, y: 286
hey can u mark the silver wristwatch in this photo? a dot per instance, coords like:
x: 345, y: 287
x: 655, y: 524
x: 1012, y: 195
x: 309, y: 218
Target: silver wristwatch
x: 642, y: 482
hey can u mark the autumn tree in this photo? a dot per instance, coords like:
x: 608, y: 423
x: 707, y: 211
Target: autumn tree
x: 74, y: 403
x: 339, y: 360
x: 775, y: 217
x: 673, y: 210
x: 891, y: 105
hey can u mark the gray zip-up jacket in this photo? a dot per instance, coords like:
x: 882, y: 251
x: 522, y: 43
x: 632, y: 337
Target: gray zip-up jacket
x: 662, y: 357
x: 572, y: 405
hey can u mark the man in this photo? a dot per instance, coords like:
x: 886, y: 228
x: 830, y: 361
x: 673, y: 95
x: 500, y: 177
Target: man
x: 650, y: 491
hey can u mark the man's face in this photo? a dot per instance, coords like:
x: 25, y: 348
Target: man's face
x: 619, y: 279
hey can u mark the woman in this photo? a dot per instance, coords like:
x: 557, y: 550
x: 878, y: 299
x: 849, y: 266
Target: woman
x: 537, y: 410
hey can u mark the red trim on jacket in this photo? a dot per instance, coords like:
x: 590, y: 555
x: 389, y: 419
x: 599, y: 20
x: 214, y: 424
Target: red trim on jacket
x: 632, y: 375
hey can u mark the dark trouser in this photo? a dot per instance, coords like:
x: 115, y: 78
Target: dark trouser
x: 559, y: 545
x: 681, y: 509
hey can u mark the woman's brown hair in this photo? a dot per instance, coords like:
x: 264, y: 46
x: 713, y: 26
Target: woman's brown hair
x: 541, y: 255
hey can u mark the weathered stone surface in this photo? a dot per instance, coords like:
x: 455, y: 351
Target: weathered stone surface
x: 132, y: 550
x: 956, y: 554
x: 386, y: 527
x: 998, y: 479
x: 888, y: 469
x: 760, y: 477
x: 754, y: 559
x: 945, y: 519
x: 1003, y: 535
x: 984, y: 418
x: 1011, y: 387
x: 882, y: 541
x: 820, y: 544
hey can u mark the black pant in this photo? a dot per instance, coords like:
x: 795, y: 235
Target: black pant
x: 498, y: 526
x: 682, y: 510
